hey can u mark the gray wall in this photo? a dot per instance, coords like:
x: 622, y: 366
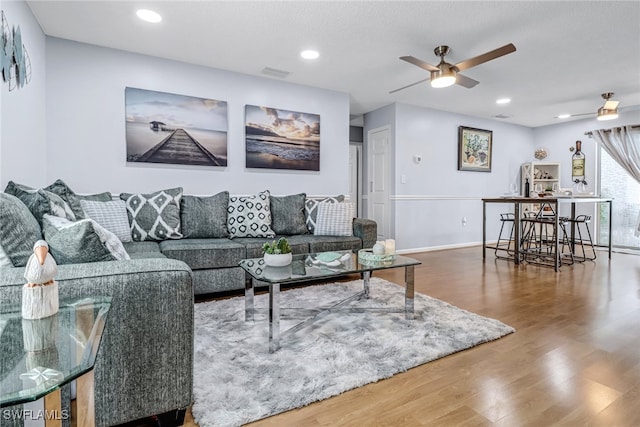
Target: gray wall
x: 22, y: 111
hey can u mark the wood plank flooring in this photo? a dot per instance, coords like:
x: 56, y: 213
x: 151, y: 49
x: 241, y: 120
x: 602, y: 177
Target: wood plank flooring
x: 573, y: 361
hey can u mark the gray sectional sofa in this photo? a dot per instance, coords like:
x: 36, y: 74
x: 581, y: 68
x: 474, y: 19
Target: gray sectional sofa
x: 152, y: 291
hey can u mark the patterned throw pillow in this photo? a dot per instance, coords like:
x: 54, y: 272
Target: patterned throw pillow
x: 112, y: 215
x: 81, y: 241
x: 250, y: 216
x: 40, y: 202
x: 311, y: 209
x: 334, y: 219
x: 154, y: 216
x: 205, y: 217
x: 287, y: 214
x: 19, y: 231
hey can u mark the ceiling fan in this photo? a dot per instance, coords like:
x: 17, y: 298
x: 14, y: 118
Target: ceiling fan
x: 446, y: 74
x: 608, y: 111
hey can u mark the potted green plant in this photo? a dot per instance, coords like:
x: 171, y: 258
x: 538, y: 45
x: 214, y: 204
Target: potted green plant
x: 277, y: 253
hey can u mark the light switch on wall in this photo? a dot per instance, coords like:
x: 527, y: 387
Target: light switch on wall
x: 403, y: 179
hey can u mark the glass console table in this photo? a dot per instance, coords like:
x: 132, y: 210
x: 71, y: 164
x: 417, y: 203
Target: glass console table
x: 38, y: 357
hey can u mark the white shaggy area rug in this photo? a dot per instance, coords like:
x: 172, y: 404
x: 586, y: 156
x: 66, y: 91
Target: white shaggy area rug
x: 237, y: 380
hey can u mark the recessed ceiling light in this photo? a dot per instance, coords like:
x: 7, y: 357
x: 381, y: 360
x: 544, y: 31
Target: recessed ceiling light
x: 564, y: 116
x: 309, y: 54
x: 503, y: 101
x: 149, y: 15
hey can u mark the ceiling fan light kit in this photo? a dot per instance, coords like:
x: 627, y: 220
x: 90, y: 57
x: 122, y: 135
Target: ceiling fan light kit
x: 604, y: 114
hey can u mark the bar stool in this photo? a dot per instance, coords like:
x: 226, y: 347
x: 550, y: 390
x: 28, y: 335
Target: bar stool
x: 582, y: 222
x: 505, y: 218
x: 539, y: 241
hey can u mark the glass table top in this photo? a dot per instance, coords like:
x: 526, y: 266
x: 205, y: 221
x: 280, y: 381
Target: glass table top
x: 39, y: 356
x: 317, y: 266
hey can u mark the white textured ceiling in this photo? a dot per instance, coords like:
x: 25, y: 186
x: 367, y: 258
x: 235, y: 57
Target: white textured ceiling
x: 568, y: 53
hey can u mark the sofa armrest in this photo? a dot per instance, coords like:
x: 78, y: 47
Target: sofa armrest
x: 144, y: 365
x: 367, y: 230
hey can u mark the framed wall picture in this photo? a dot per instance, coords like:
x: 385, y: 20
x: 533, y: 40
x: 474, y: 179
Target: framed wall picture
x: 177, y: 129
x: 474, y: 149
x: 281, y: 139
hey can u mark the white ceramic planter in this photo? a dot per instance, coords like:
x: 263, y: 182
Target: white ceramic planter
x: 277, y: 260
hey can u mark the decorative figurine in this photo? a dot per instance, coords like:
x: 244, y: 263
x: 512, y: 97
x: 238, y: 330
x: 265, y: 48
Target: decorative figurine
x: 40, y: 293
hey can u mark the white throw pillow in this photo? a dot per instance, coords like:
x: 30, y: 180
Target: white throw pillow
x: 111, y: 215
x: 334, y: 219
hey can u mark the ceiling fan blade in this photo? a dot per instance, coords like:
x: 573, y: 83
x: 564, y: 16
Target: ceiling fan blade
x: 408, y: 86
x: 496, y: 53
x: 611, y: 105
x: 420, y: 63
x: 465, y: 81
x: 582, y: 114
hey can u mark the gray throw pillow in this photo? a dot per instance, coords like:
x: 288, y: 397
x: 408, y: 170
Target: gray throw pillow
x: 250, y: 216
x: 112, y: 215
x: 20, y: 231
x: 287, y: 214
x: 100, y: 197
x: 81, y: 241
x: 41, y: 202
x: 154, y: 216
x: 204, y: 217
x: 60, y: 188
x: 311, y: 209
x: 334, y: 219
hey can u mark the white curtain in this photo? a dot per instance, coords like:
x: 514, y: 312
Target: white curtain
x: 623, y: 145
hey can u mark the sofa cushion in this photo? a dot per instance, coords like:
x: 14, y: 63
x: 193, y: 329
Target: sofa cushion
x: 250, y: 216
x: 81, y: 241
x: 334, y: 219
x: 20, y: 231
x: 287, y: 214
x: 204, y: 217
x: 40, y: 201
x: 204, y: 253
x: 154, y: 216
x: 112, y: 215
x: 143, y: 250
x: 254, y: 245
x: 60, y: 188
x: 333, y: 243
x: 311, y: 208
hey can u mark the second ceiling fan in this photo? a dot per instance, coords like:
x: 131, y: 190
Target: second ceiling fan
x: 446, y: 74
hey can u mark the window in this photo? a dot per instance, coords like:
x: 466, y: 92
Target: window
x: 615, y: 182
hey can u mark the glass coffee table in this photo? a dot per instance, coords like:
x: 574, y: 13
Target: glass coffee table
x: 314, y: 267
x: 38, y: 357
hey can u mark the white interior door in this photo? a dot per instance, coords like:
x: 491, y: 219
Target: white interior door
x: 379, y: 159
x: 355, y: 160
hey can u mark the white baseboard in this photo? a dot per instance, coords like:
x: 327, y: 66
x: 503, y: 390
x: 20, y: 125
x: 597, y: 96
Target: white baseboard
x: 440, y: 248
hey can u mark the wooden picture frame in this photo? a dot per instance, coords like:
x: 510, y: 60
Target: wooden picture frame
x: 474, y: 149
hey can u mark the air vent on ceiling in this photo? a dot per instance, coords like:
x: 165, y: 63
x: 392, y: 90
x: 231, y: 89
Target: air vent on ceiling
x: 273, y: 72
x: 501, y: 116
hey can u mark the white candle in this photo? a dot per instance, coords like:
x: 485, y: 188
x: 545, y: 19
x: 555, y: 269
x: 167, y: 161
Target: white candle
x: 390, y: 247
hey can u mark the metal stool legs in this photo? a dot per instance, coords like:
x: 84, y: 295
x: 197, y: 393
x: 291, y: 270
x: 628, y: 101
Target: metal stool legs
x: 584, y: 243
x: 505, y: 218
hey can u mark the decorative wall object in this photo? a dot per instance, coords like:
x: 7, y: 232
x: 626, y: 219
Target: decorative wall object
x: 15, y: 64
x: 167, y: 128
x: 474, y: 149
x: 282, y: 139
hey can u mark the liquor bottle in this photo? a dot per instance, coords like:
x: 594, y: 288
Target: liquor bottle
x: 527, y: 190
x: 577, y: 164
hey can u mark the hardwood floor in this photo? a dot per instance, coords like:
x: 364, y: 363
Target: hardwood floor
x: 574, y: 359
